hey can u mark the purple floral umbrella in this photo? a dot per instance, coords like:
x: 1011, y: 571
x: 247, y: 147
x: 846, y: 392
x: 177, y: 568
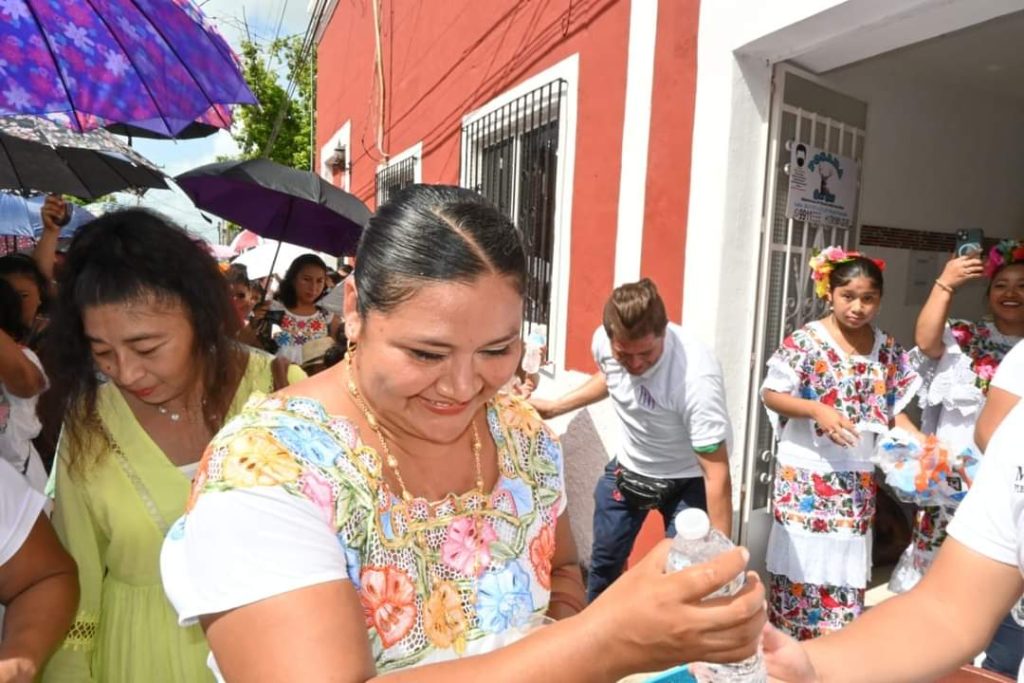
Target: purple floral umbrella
x: 158, y: 65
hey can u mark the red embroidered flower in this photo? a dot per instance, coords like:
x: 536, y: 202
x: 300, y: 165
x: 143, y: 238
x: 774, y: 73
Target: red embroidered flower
x: 542, y: 549
x: 962, y: 334
x: 830, y: 398
x: 389, y: 602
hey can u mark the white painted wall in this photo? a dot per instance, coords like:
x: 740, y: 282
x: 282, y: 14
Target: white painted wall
x: 935, y: 158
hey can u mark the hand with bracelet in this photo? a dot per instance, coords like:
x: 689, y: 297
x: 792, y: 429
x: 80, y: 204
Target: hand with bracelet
x: 928, y: 333
x: 960, y: 270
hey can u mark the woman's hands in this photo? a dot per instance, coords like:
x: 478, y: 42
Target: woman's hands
x: 836, y: 426
x: 785, y: 659
x: 669, y: 621
x: 17, y: 670
x: 962, y: 269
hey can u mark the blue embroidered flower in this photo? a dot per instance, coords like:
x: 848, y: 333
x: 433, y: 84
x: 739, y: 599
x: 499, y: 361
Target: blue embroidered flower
x: 807, y: 504
x: 808, y: 393
x: 385, y: 525
x: 813, y: 617
x: 307, y: 441
x: 552, y: 449
x: 503, y: 599
x: 177, y: 530
x: 353, y: 563
x: 521, y: 494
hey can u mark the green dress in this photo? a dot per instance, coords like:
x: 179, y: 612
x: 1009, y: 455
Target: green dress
x: 113, y: 521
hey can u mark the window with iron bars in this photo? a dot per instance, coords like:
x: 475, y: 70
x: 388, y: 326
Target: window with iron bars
x: 510, y: 156
x: 395, y: 177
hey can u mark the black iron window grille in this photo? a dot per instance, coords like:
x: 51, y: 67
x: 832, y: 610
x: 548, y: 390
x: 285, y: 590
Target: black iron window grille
x: 395, y: 177
x: 510, y: 156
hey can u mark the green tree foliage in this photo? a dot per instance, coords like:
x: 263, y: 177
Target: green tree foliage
x: 269, y: 70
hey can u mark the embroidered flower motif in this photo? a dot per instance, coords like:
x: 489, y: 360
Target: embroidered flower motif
x: 254, y: 458
x: 443, y: 619
x: 319, y: 492
x: 542, y: 549
x: 504, y: 599
x: 466, y: 548
x: 389, y: 603
x: 521, y: 416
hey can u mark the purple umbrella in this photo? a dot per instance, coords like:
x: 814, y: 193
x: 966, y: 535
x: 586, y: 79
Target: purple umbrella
x: 279, y: 202
x: 153, y: 64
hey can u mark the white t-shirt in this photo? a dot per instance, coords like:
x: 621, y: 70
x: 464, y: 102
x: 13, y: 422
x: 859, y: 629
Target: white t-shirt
x: 20, y: 506
x: 674, y: 407
x: 19, y: 424
x: 990, y: 520
x: 1010, y: 375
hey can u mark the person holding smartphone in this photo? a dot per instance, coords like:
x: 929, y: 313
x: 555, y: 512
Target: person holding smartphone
x: 961, y: 358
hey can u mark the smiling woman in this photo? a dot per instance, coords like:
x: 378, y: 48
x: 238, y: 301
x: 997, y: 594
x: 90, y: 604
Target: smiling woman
x: 143, y: 345
x: 396, y: 514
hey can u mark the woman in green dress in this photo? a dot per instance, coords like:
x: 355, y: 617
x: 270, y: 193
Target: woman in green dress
x: 143, y: 343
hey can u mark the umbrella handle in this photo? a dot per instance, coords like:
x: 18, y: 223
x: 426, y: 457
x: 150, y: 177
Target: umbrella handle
x: 273, y: 262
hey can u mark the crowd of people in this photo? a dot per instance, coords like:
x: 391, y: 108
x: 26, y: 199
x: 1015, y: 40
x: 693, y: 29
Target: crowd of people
x: 353, y: 479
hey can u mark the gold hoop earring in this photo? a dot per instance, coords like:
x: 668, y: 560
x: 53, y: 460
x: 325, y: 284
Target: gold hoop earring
x: 350, y: 348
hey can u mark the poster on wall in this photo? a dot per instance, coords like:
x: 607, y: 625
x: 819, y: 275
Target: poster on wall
x: 822, y: 186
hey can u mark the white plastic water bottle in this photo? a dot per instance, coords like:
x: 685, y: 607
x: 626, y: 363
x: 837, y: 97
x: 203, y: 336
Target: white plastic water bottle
x: 531, y: 357
x: 697, y: 542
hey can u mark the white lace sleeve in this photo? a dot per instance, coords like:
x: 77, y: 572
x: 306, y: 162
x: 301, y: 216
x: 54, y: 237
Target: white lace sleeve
x: 950, y: 381
x: 781, y: 377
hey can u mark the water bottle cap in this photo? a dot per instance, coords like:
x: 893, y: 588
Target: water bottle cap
x: 692, y: 524
x: 536, y: 339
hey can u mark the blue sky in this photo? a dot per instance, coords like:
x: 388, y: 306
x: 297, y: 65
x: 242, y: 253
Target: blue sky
x: 175, y: 157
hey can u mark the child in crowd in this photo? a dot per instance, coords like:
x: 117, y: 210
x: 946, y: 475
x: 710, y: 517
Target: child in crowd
x: 831, y: 387
x: 22, y: 380
x: 302, y: 320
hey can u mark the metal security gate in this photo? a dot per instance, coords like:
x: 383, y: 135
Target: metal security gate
x: 803, y: 110
x: 510, y: 156
x: 395, y: 177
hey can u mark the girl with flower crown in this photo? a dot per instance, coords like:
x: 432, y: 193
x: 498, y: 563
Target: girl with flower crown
x: 831, y: 387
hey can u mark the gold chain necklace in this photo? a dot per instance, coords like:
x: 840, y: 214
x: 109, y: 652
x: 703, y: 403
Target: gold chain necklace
x: 389, y: 457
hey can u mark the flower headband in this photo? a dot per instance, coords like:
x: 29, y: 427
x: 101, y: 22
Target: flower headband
x: 824, y: 262
x: 1006, y: 253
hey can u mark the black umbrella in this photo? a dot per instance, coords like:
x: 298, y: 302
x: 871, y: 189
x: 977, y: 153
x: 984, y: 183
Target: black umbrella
x: 192, y: 131
x: 39, y: 155
x: 280, y: 203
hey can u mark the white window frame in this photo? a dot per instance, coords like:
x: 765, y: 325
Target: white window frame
x: 568, y: 71
x: 343, y: 137
x: 416, y: 152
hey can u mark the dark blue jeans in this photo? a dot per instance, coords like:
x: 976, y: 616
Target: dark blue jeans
x: 1006, y: 649
x: 616, y: 524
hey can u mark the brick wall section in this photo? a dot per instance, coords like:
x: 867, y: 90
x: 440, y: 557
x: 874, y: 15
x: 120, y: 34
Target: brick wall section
x: 917, y: 240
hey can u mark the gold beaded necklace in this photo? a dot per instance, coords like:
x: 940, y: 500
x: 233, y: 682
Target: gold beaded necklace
x: 389, y: 457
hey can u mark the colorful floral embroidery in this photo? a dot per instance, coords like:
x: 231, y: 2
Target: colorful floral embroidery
x: 430, y: 575
x: 985, y: 351
x: 827, y: 503
x: 866, y: 391
x: 806, y: 610
x: 296, y: 331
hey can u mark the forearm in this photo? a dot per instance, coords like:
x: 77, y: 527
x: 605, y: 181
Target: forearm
x: 45, y: 254
x: 718, y: 487
x: 568, y: 595
x: 37, y: 620
x: 932, y: 322
x: 569, y: 651
x: 790, y: 406
x: 894, y: 634
x: 592, y: 391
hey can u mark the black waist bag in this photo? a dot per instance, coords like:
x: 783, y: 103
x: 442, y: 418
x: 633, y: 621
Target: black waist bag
x: 645, y: 493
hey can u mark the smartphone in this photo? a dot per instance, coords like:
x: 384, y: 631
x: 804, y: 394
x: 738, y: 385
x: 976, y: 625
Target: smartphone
x: 969, y: 241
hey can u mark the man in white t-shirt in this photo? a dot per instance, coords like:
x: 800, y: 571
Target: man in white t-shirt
x: 38, y: 580
x: 669, y: 396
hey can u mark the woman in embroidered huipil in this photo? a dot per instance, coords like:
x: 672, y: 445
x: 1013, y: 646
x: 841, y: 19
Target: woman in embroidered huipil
x: 830, y: 389
x: 961, y: 358
x: 301, y: 320
x: 397, y: 511
x: 143, y: 305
